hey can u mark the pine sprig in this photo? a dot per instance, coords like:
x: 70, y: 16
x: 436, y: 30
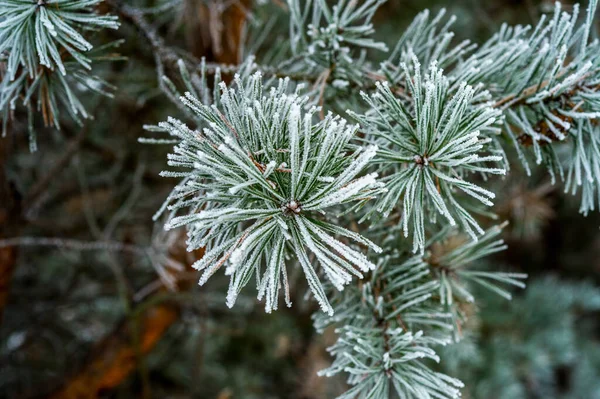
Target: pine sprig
x: 545, y: 80
x: 52, y: 94
x: 41, y: 33
x: 45, y: 60
x: 387, y: 330
x: 384, y: 363
x: 330, y: 40
x: 453, y: 261
x: 261, y: 184
x: 429, y: 145
x: 405, y: 310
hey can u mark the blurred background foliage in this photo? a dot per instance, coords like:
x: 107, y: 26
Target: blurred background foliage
x: 94, y: 316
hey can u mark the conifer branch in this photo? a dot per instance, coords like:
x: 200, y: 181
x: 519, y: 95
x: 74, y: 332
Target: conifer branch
x: 45, y: 59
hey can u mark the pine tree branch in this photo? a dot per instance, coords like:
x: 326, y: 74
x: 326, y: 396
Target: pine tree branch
x: 71, y: 244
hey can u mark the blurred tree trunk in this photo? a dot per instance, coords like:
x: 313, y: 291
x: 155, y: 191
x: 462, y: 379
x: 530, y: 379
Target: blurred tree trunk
x: 214, y: 28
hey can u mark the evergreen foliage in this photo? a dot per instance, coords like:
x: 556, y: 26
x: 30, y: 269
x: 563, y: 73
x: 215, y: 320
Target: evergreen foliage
x: 262, y: 171
x: 431, y: 135
x: 40, y: 38
x: 409, y: 306
x: 544, y: 79
x: 330, y: 40
x: 49, y: 27
x: 387, y: 219
x: 429, y: 145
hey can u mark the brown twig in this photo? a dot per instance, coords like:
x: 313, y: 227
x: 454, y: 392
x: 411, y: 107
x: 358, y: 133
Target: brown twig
x: 515, y: 99
x: 323, y: 83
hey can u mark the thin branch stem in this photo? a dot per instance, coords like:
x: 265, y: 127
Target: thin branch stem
x: 68, y: 243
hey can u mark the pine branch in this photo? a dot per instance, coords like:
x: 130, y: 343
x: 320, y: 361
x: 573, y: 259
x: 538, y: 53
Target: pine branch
x: 258, y: 177
x: 381, y: 344
x: 45, y: 60
x: 406, y: 308
x: 53, y: 24
x: 428, y: 148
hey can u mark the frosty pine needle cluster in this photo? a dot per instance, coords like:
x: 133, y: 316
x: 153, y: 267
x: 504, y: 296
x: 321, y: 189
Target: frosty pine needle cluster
x: 430, y: 144
x: 388, y: 218
x: 322, y: 36
x: 264, y: 180
x: 50, y: 25
x: 45, y: 59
